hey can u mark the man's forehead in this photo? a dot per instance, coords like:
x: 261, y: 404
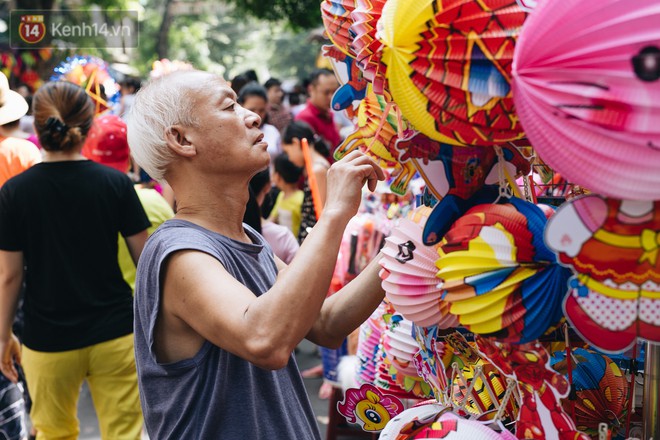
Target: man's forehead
x: 328, y: 80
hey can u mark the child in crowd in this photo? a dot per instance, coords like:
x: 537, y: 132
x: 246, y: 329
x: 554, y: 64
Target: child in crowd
x: 287, y: 209
x: 280, y: 238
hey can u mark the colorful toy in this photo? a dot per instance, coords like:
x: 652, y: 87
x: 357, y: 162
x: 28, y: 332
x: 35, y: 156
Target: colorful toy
x: 92, y: 74
x: 409, y: 272
x: 590, y: 100
x: 336, y: 15
x: 529, y: 365
x: 612, y: 246
x: 497, y: 274
x: 601, y: 392
x: 376, y: 134
x: 369, y: 338
x: 353, y: 86
x: 366, y: 45
x: 448, y: 67
x: 460, y: 177
x: 369, y: 408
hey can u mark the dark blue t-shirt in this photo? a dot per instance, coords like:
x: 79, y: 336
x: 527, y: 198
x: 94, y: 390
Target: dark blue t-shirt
x: 214, y: 395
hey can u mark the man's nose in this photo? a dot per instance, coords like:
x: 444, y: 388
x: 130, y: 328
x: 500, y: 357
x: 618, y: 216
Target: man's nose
x: 252, y: 119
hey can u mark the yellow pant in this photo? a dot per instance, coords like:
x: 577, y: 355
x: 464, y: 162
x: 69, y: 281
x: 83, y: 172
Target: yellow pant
x: 54, y: 381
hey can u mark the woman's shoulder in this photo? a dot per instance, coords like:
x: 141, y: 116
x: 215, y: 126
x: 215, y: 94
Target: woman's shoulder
x: 320, y: 164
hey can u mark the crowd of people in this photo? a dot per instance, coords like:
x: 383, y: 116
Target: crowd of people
x: 191, y: 332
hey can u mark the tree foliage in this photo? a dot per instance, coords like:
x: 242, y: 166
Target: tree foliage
x: 300, y: 14
x: 227, y: 42
x: 226, y: 37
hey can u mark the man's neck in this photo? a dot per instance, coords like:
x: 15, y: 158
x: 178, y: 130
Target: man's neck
x: 321, y: 111
x: 219, y: 208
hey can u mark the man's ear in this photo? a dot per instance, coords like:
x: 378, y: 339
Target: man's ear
x: 175, y: 137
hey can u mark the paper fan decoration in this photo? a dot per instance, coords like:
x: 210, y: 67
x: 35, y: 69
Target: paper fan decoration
x: 409, y: 273
x: 376, y: 134
x: 448, y: 67
x: 400, y: 347
x: 91, y: 74
x: 336, y: 15
x: 384, y: 379
x: 590, y: 101
x: 612, y: 246
x: 497, y: 274
x: 366, y: 46
x: 601, y: 392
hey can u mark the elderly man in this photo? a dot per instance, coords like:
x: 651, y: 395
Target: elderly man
x: 217, y: 316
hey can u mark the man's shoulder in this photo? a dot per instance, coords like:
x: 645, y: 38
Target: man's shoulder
x: 176, y: 234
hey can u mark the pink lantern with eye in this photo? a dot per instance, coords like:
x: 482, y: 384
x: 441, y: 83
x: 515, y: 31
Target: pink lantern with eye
x: 586, y: 85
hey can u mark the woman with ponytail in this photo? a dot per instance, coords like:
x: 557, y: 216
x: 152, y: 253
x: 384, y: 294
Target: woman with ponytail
x: 61, y: 219
x: 292, y: 138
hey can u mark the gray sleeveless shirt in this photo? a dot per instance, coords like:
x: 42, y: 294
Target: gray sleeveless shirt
x: 214, y: 395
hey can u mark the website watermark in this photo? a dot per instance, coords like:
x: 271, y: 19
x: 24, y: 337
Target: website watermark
x: 30, y: 29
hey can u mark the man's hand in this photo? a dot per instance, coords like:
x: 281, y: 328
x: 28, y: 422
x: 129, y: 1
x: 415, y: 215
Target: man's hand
x: 346, y: 179
x: 11, y: 353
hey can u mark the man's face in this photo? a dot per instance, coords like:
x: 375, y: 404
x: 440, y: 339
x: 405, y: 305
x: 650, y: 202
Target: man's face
x: 320, y: 94
x: 256, y: 104
x: 226, y: 134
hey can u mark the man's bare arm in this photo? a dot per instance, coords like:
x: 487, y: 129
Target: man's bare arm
x: 264, y: 330
x: 344, y: 311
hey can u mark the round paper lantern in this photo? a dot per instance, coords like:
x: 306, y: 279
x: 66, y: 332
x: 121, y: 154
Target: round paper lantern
x: 448, y: 67
x: 601, y: 392
x: 497, y: 274
x: 587, y: 90
x: 409, y: 273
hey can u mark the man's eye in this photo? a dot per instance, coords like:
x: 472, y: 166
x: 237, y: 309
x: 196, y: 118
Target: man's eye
x: 230, y: 107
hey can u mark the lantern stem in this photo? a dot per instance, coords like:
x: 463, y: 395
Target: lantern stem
x: 651, y: 415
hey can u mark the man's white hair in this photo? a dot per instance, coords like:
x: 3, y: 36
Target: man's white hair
x: 162, y: 103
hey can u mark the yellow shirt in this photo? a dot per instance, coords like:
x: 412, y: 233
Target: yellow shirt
x: 158, y: 210
x: 287, y: 212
